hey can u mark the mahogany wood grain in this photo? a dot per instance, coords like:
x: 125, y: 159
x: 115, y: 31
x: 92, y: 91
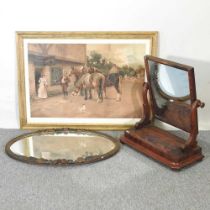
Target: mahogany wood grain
x: 161, y: 145
x: 171, y: 164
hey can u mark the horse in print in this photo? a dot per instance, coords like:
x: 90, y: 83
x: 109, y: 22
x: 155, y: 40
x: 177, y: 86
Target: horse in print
x: 89, y: 81
x: 78, y: 71
x: 113, y: 79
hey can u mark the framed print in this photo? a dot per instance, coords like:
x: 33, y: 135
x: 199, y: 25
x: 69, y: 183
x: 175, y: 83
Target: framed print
x: 82, y: 80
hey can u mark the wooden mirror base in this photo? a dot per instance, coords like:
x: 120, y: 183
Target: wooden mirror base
x: 162, y: 146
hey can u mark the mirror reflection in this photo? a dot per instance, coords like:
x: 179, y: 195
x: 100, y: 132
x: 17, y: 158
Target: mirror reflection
x: 169, y: 82
x: 172, y: 81
x: 72, y: 147
x: 171, y: 94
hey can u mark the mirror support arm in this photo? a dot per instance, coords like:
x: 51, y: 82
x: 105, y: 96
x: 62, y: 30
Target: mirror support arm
x: 191, y: 142
x: 146, y: 108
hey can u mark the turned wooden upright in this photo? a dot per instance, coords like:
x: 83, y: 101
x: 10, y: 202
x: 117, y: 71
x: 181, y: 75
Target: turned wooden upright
x: 159, y: 144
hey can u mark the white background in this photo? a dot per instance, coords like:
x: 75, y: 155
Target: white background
x: 183, y: 26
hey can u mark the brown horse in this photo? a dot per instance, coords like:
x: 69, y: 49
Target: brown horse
x: 113, y: 79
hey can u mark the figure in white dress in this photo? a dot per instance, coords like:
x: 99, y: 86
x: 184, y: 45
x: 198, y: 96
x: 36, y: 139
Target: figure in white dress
x: 42, y: 91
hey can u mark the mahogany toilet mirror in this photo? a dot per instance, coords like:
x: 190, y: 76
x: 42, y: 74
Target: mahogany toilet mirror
x: 171, y: 89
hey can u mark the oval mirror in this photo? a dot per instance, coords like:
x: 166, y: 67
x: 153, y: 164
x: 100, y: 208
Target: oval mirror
x: 173, y: 82
x: 62, y: 147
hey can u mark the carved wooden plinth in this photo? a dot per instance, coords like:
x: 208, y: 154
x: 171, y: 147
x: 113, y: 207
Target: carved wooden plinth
x: 162, y: 146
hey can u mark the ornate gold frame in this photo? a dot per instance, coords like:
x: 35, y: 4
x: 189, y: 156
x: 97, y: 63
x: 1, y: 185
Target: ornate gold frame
x: 33, y: 160
x: 20, y: 36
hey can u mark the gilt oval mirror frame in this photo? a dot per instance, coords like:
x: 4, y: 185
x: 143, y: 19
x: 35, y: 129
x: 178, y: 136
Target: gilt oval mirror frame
x: 62, y: 147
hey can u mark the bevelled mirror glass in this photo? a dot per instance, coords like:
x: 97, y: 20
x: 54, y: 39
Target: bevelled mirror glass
x: 169, y: 82
x: 171, y: 92
x: 62, y: 147
x: 172, y: 82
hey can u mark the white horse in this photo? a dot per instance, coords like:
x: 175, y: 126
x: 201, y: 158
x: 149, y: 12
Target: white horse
x: 87, y: 82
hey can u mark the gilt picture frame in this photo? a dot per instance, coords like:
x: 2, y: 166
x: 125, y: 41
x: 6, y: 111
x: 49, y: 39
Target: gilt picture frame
x: 82, y: 80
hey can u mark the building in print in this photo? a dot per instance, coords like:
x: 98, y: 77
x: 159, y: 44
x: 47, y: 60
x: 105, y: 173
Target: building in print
x: 53, y: 60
